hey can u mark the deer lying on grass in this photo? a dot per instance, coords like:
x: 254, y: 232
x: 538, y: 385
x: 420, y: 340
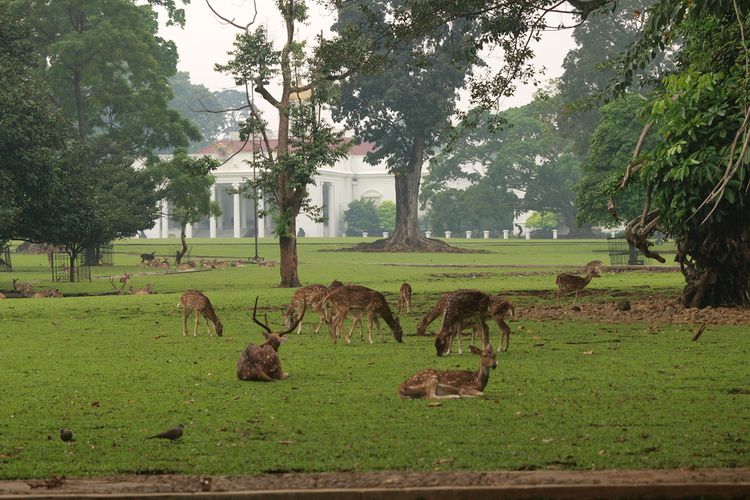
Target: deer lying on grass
x: 446, y: 384
x: 47, y: 293
x: 314, y: 295
x: 195, y: 301
x: 26, y: 289
x: 261, y: 362
x: 571, y: 283
x: 360, y: 300
x: 404, y: 299
x: 148, y: 290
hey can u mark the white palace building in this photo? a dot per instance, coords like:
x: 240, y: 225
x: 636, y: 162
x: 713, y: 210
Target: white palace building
x: 335, y: 187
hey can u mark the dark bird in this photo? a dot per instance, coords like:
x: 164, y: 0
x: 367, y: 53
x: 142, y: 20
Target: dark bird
x: 170, y: 434
x: 66, y: 435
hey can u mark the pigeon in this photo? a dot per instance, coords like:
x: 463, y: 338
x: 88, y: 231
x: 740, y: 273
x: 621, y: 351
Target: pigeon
x: 66, y: 435
x: 171, y: 434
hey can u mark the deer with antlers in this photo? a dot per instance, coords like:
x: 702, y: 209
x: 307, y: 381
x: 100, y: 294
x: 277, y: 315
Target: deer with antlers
x: 572, y: 283
x: 445, y: 384
x: 123, y: 280
x: 404, y: 298
x: 195, y: 301
x: 261, y: 362
x: 360, y: 300
x: 314, y: 295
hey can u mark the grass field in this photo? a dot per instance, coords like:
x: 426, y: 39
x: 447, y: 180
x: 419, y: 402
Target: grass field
x: 577, y: 395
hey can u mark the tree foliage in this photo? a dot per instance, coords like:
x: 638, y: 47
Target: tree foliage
x: 696, y: 175
x: 387, y: 216
x: 185, y: 182
x: 543, y: 221
x: 361, y: 216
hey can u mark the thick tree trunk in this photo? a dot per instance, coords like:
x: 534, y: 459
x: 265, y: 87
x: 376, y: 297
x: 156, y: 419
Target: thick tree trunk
x: 715, y: 261
x: 72, y: 267
x: 80, y: 107
x: 406, y: 236
x: 288, y: 264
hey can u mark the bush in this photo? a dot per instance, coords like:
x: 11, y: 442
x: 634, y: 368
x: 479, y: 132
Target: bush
x: 360, y: 216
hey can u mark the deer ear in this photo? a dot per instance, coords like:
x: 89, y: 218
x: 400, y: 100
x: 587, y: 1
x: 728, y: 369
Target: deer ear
x: 475, y: 350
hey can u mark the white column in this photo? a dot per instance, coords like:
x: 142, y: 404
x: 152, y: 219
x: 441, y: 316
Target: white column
x: 333, y: 222
x: 189, y: 231
x: 164, y: 219
x: 212, y: 219
x: 505, y: 234
x: 236, y: 211
x: 261, y: 222
x: 554, y: 234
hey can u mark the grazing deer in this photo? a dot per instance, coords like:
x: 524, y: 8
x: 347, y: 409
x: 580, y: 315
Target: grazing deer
x: 261, y: 362
x: 404, y: 298
x: 360, y: 300
x: 571, y: 283
x: 314, y: 295
x: 195, y: 301
x: 463, y: 308
x: 446, y: 384
x: 436, y: 311
x: 147, y: 258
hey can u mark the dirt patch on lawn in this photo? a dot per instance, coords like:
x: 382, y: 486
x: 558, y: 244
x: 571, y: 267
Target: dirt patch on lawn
x: 659, y: 309
x: 395, y: 484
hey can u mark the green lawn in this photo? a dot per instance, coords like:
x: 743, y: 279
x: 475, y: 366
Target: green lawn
x: 578, y: 395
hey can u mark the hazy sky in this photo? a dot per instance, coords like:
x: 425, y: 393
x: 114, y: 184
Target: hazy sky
x: 205, y: 41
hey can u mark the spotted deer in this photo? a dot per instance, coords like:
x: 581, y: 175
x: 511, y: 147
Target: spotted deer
x: 360, y: 300
x: 261, y: 363
x: 404, y: 298
x: 194, y: 301
x: 148, y: 290
x: 445, y: 384
x: 26, y: 289
x: 461, y: 309
x: 435, y: 312
x: 314, y: 296
x: 571, y: 283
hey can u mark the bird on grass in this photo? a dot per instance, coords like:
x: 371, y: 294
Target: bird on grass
x: 171, y: 434
x: 66, y: 435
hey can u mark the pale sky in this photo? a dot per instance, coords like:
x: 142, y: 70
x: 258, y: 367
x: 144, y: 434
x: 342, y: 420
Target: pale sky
x: 205, y: 41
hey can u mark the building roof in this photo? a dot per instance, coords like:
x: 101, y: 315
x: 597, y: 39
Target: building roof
x: 229, y: 147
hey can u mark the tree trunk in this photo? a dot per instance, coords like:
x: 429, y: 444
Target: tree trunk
x: 715, y: 260
x: 72, y: 267
x: 181, y: 253
x: 406, y: 236
x: 288, y: 264
x: 80, y: 107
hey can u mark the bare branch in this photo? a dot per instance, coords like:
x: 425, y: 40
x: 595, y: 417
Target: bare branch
x: 231, y: 22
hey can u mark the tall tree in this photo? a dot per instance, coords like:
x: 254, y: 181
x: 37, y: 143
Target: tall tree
x: 304, y: 141
x: 32, y: 133
x: 528, y: 155
x: 184, y: 182
x: 406, y: 107
x: 696, y: 176
x: 107, y: 70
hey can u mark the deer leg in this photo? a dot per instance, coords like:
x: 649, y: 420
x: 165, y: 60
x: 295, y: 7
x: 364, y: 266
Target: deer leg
x: 485, y: 333
x: 370, y: 320
x: 320, y: 323
x: 576, y: 298
x: 208, y: 326
x: 197, y: 320
x: 504, y: 336
x: 185, y: 314
x: 458, y: 334
x: 408, y: 306
x: 470, y: 393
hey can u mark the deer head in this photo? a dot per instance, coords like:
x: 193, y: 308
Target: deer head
x: 487, y: 354
x: 275, y: 339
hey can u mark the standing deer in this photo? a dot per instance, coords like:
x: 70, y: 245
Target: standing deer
x: 462, y: 308
x: 314, y: 295
x: 404, y: 298
x: 261, y: 362
x: 195, y: 301
x: 147, y: 258
x: 360, y: 300
x: 445, y: 384
x: 436, y: 311
x: 571, y: 283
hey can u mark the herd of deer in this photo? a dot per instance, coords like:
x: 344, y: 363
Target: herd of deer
x: 460, y: 310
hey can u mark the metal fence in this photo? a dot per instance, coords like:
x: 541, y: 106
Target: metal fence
x: 61, y: 269
x: 102, y: 255
x: 622, y: 253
